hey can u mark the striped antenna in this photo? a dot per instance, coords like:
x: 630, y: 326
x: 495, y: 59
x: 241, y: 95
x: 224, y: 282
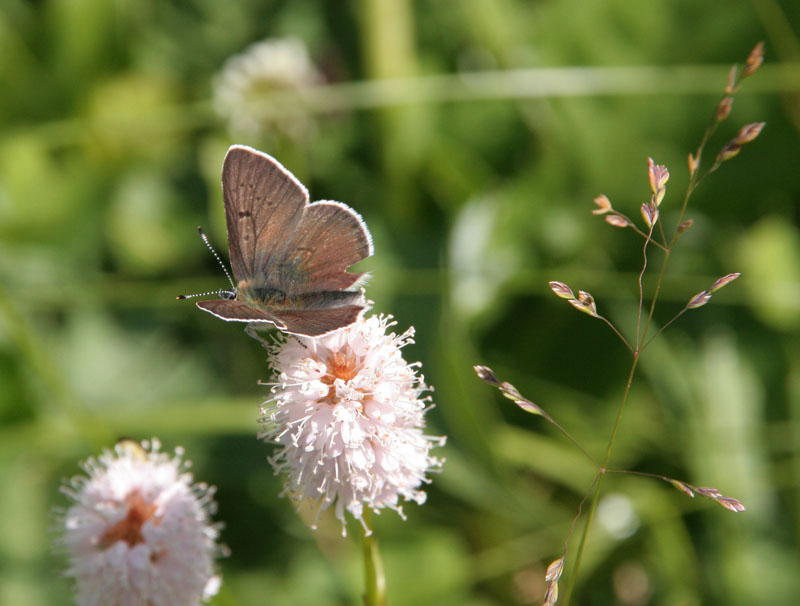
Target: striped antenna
x: 225, y: 294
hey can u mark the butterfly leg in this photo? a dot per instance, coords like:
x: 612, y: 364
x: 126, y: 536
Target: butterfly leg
x: 251, y: 330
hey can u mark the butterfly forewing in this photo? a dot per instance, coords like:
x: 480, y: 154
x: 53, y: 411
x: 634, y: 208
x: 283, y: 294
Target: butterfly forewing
x: 263, y: 203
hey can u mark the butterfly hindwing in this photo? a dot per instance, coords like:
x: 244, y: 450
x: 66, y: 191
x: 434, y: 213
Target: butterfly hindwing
x: 329, y: 238
x: 309, y: 322
x: 319, y: 321
x: 237, y: 311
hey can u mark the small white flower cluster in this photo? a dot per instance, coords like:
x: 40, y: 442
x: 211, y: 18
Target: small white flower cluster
x: 139, y: 531
x: 242, y: 88
x: 347, y: 413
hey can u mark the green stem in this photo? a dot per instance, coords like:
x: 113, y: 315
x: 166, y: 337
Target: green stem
x: 368, y: 95
x: 601, y: 474
x: 374, y: 578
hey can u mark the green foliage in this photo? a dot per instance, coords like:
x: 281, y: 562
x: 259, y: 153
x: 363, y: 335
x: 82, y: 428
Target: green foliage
x: 477, y: 195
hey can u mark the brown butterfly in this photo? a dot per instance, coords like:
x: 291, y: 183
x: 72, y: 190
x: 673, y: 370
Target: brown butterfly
x: 289, y: 257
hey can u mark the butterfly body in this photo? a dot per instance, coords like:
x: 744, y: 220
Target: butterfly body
x: 289, y: 257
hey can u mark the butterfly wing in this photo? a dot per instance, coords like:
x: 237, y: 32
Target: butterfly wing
x: 263, y: 203
x: 236, y: 311
x: 328, y: 239
x: 314, y: 323
x: 276, y: 238
x: 309, y: 322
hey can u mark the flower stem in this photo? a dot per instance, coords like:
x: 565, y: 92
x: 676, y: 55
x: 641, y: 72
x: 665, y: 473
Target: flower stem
x: 374, y: 578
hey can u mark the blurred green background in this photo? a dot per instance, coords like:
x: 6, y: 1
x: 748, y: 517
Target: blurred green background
x: 476, y: 182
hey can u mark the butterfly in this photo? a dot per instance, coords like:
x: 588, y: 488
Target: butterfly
x: 289, y: 257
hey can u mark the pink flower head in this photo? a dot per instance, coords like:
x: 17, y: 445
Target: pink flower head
x: 138, y: 531
x: 347, y: 414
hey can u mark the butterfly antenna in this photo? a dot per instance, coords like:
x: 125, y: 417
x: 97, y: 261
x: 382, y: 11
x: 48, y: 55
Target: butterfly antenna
x: 220, y: 293
x: 225, y: 294
x: 216, y: 256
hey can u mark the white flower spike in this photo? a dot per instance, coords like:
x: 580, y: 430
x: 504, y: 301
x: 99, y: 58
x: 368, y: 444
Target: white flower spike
x: 347, y: 414
x: 138, y: 532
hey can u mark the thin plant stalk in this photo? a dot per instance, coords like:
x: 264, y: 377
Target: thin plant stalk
x: 640, y: 339
x: 601, y: 475
x: 695, y: 177
x: 374, y: 578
